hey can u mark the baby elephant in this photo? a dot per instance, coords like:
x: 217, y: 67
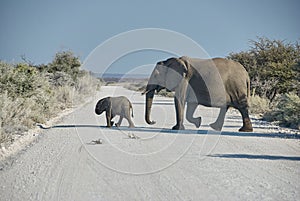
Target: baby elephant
x: 115, y: 106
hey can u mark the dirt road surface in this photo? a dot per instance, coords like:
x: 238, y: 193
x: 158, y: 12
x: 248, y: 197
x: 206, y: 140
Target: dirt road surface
x: 80, y: 159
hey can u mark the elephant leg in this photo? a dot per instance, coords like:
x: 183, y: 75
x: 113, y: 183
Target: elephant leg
x: 112, y: 122
x: 128, y: 118
x: 179, y: 106
x: 131, y: 124
x: 218, y: 124
x: 247, y: 125
x: 120, y: 121
x: 179, y: 99
x: 109, y: 117
x: 191, y: 107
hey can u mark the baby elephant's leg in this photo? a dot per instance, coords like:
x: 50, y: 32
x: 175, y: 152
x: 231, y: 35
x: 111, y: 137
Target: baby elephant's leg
x: 109, y: 117
x: 131, y: 124
x: 120, y: 121
x: 127, y: 116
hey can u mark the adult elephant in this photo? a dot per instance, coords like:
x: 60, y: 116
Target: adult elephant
x: 213, y: 82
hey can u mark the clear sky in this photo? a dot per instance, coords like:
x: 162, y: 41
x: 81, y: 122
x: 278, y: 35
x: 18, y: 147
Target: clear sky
x: 40, y: 28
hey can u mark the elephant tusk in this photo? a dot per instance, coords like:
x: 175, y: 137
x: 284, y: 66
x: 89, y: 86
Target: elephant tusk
x: 145, y: 92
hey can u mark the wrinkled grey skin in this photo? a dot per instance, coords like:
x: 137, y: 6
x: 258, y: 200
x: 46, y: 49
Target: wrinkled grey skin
x: 217, y: 82
x: 115, y: 106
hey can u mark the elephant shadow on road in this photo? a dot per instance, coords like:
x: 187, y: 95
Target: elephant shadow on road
x: 256, y: 157
x: 183, y: 132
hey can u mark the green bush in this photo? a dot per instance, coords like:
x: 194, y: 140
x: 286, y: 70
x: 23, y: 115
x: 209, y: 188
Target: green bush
x: 22, y: 81
x: 273, y: 66
x: 287, y: 111
x: 66, y: 62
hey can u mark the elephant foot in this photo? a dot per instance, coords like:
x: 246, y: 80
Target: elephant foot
x: 178, y: 127
x: 216, y: 126
x: 117, y: 125
x: 245, y: 129
x: 198, y: 122
x: 131, y: 126
x: 109, y: 125
x: 247, y: 126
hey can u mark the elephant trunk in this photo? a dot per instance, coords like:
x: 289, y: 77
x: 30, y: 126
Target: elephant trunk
x: 149, y: 100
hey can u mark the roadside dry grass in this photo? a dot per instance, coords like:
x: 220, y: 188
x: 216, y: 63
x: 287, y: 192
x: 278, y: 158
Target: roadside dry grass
x: 29, y: 96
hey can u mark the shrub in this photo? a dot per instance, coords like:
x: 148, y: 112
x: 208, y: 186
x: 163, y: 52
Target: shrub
x: 64, y: 96
x: 287, y: 111
x: 22, y: 81
x: 273, y: 66
x: 86, y: 84
x: 258, y: 105
x: 30, y: 95
x: 5, y: 72
x: 59, y: 78
x: 66, y: 62
x: 14, y: 116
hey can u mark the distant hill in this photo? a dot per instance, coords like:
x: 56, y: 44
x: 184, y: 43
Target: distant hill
x: 118, y: 77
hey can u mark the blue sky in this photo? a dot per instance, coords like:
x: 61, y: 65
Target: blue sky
x: 38, y: 29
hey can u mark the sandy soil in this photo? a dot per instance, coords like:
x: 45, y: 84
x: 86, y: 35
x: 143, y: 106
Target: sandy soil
x: 78, y: 158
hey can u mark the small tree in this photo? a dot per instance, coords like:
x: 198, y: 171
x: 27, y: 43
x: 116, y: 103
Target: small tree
x: 65, y: 62
x: 273, y: 66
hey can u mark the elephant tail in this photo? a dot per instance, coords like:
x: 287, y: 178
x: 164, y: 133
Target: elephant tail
x: 248, y: 88
x: 131, y: 110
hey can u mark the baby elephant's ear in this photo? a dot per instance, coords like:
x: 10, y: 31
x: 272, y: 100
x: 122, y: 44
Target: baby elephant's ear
x: 101, y: 106
x: 99, y: 103
x: 106, y: 102
x: 97, y: 108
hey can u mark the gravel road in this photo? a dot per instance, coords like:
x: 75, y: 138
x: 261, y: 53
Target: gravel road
x: 80, y: 159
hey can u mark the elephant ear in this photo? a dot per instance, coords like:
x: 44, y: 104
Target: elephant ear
x: 177, y: 70
x: 187, y: 66
x: 106, y: 102
x: 98, y: 107
x: 102, y: 104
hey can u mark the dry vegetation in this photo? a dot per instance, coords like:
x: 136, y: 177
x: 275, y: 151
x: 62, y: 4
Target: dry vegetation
x: 33, y: 94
